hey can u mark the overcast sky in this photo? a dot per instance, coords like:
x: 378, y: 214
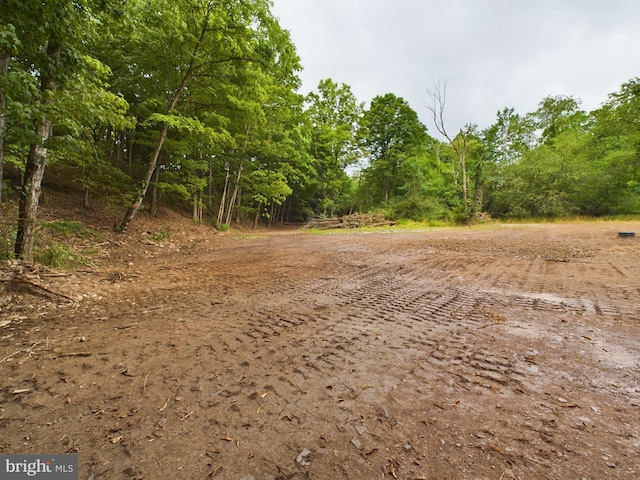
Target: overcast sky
x: 491, y: 54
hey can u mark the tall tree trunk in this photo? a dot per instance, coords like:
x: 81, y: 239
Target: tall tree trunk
x: 4, y: 71
x: 197, y: 210
x: 130, y: 156
x: 120, y: 152
x: 210, y: 186
x: 153, y: 208
x: 36, y: 163
x: 463, y: 165
x: 135, y: 206
x: 224, y: 196
x: 111, y: 142
x: 234, y: 195
x: 238, y: 177
x: 458, y: 143
x: 257, y: 218
x: 385, y: 188
x: 271, y: 214
x: 198, y: 204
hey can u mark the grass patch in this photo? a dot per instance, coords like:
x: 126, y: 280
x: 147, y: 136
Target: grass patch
x: 67, y: 227
x: 58, y: 242
x: 58, y: 256
x: 159, y: 237
x: 571, y: 219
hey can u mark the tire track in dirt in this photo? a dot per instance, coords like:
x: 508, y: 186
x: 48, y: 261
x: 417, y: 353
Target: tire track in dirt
x: 431, y: 322
x: 434, y: 328
x: 382, y: 341
x: 429, y: 326
x: 382, y: 355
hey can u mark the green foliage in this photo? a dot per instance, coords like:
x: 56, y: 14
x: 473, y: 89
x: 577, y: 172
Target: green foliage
x: 67, y: 232
x: 223, y: 227
x: 67, y: 227
x: 583, y: 164
x: 391, y: 134
x: 59, y: 256
x: 333, y: 115
x: 160, y: 236
x: 510, y: 137
x: 558, y: 114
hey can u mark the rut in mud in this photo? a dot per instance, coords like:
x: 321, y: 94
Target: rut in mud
x: 510, y: 352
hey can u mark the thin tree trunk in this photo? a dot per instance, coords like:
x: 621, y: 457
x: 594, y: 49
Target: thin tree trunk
x: 234, y: 195
x: 153, y: 208
x: 130, y: 155
x: 210, y: 186
x: 463, y: 165
x: 197, y: 207
x: 110, y: 142
x: 224, y: 196
x: 437, y: 112
x: 271, y: 213
x: 120, y: 147
x: 135, y: 206
x: 255, y: 221
x: 36, y: 164
x: 238, y: 177
x: 385, y: 189
x: 4, y: 71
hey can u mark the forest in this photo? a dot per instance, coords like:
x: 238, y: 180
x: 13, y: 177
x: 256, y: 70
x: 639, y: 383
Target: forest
x: 197, y: 104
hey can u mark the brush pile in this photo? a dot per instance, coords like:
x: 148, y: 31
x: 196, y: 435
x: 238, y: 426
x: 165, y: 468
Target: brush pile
x: 349, y: 221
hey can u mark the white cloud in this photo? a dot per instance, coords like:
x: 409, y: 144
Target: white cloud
x: 491, y: 53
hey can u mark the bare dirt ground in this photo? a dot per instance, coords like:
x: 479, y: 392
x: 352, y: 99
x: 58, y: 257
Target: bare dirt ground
x: 498, y: 352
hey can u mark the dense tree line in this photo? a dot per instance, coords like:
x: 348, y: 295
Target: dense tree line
x: 196, y: 102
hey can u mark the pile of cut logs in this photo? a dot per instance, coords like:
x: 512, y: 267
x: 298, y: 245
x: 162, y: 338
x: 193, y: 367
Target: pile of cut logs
x: 349, y: 221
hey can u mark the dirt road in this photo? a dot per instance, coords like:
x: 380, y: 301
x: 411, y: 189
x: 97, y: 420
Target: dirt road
x: 493, y: 353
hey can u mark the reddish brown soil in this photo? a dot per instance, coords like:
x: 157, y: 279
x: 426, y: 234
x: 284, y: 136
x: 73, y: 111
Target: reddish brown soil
x: 498, y: 352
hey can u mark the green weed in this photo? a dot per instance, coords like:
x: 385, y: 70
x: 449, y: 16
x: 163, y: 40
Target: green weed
x: 66, y: 227
x: 58, y: 256
x: 159, y: 237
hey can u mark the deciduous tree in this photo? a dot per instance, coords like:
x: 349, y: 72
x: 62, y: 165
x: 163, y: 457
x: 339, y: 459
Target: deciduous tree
x: 391, y: 133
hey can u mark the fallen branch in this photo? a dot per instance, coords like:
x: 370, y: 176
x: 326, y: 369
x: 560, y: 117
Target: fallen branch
x: 73, y: 354
x: 51, y: 292
x: 10, y: 356
x: 21, y: 281
x: 29, y: 350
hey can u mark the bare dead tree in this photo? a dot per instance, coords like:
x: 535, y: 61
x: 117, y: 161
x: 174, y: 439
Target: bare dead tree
x: 459, y: 143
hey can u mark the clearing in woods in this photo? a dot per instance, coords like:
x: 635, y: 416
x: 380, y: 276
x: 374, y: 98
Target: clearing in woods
x: 499, y: 352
